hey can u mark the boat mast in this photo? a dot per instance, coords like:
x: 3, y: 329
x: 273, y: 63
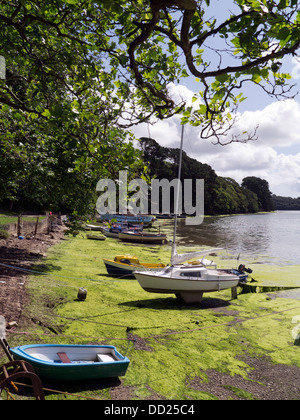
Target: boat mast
x: 177, y: 196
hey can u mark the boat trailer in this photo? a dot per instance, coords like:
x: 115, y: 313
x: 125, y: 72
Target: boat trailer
x: 17, y: 369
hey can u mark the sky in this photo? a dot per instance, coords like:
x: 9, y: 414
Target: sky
x: 274, y: 156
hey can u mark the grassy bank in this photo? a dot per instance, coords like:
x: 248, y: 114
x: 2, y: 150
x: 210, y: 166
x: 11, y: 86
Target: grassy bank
x: 172, y: 347
x: 7, y: 218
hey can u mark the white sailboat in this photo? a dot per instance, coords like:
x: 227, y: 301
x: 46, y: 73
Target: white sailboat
x: 187, y: 281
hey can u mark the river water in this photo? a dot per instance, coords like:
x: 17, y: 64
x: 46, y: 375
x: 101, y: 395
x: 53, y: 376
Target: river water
x: 271, y: 237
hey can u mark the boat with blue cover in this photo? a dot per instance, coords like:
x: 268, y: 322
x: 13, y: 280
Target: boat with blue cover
x: 146, y: 220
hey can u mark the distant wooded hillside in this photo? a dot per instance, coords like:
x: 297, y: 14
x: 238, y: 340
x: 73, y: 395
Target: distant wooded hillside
x: 221, y: 195
x: 286, y: 203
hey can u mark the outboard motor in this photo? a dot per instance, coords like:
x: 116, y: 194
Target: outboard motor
x: 242, y: 269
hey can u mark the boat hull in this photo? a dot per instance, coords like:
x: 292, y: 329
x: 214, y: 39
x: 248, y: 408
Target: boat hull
x: 145, y: 238
x: 94, y: 227
x: 115, y: 269
x: 114, y: 232
x: 126, y: 269
x: 96, y: 237
x: 85, y: 362
x: 189, y: 289
x: 109, y: 233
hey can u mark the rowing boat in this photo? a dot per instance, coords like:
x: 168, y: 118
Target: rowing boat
x: 72, y: 362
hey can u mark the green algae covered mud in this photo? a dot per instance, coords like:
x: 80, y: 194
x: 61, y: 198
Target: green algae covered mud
x: 271, y: 275
x: 219, y: 349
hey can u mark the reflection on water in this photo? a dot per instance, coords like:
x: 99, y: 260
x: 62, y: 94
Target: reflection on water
x: 276, y: 235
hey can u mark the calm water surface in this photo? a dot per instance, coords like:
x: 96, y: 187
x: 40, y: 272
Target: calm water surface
x: 273, y: 237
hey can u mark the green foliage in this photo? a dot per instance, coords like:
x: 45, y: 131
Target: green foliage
x: 79, y: 73
x: 53, y: 166
x: 286, y: 203
x: 261, y: 188
x: 122, y: 55
x: 4, y: 234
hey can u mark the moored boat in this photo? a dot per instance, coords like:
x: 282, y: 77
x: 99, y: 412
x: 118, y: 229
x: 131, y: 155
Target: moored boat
x: 111, y: 232
x: 146, y: 220
x: 72, y: 362
x: 187, y: 281
x: 164, y: 216
x: 114, y: 230
x: 125, y: 265
x: 93, y: 227
x: 142, y: 237
x: 96, y: 237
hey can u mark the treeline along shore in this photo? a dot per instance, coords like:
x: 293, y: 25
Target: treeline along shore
x: 74, y: 192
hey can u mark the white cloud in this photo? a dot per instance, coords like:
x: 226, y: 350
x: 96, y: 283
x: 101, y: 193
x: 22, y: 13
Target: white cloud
x: 181, y: 93
x: 279, y: 128
x: 279, y: 123
x: 166, y: 133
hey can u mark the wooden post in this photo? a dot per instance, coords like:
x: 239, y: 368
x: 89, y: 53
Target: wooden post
x: 36, y: 225
x: 234, y: 292
x: 48, y: 224
x: 19, y: 229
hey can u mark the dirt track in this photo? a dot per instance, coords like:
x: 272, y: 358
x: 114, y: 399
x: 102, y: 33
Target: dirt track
x: 20, y: 253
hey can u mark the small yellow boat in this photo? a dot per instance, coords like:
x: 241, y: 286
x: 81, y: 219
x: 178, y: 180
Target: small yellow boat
x: 125, y: 265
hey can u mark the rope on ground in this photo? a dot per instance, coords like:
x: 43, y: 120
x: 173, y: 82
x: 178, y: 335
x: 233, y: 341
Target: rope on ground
x: 240, y: 321
x: 60, y: 392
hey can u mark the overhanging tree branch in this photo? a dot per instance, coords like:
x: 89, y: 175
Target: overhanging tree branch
x: 134, y: 50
